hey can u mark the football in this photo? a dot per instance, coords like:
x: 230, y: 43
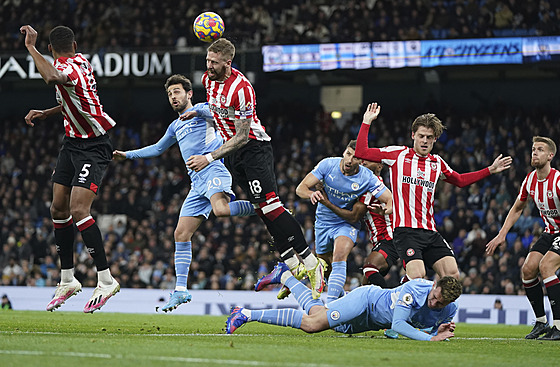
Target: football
x: 208, y: 26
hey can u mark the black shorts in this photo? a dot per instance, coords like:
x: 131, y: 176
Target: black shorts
x: 252, y: 168
x: 83, y: 162
x: 388, y: 250
x: 420, y: 244
x: 547, y: 242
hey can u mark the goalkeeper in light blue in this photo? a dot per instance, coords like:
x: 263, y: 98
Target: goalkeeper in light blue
x: 210, y: 189
x: 417, y: 304
x: 337, y: 219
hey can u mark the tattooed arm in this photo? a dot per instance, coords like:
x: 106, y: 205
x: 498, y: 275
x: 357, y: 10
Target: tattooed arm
x: 241, y: 137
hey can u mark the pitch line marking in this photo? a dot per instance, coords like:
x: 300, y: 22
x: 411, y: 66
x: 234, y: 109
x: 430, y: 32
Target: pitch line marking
x: 156, y: 358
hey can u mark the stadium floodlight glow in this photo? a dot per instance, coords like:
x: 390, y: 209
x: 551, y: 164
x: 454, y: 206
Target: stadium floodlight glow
x: 336, y: 114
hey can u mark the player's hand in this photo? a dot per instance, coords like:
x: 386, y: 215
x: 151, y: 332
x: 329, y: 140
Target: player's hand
x: 447, y: 327
x: 377, y: 208
x: 188, y: 115
x: 119, y: 155
x: 33, y: 115
x: 197, y: 162
x: 30, y: 35
x: 500, y: 164
x: 496, y: 241
x: 316, y: 196
x: 442, y: 336
x: 371, y: 113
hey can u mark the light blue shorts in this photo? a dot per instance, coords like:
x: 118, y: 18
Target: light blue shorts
x: 211, y: 180
x: 325, y: 236
x: 350, y: 314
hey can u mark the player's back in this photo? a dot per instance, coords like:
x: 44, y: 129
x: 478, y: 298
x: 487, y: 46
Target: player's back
x: 83, y: 113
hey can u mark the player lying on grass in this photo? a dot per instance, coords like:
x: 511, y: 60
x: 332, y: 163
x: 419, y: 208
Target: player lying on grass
x: 417, y: 304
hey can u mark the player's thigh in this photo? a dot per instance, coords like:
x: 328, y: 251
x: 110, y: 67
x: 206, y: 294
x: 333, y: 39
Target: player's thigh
x: 550, y: 263
x: 446, y: 266
x: 258, y: 172
x: 60, y: 206
x: 530, y: 268
x: 415, y: 269
x: 81, y: 199
x: 342, y: 247
x: 378, y: 260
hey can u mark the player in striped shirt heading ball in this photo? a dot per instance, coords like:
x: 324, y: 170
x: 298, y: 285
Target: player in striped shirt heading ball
x: 86, y: 151
x: 543, y: 186
x: 414, y: 173
x: 247, y: 153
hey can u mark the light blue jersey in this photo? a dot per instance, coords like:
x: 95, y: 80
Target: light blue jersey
x: 196, y: 136
x: 343, y: 191
x: 404, y: 309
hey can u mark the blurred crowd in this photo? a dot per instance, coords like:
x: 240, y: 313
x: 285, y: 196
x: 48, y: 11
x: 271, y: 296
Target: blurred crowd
x: 116, y: 25
x: 141, y: 200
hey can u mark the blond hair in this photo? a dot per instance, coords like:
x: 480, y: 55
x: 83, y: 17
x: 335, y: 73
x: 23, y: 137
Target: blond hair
x: 549, y: 142
x: 429, y: 121
x: 223, y: 47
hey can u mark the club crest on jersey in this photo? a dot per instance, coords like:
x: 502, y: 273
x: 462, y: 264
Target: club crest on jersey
x: 406, y: 300
x: 549, y: 194
x: 335, y: 315
x: 433, y: 165
x: 222, y: 98
x: 355, y: 186
x: 410, y: 252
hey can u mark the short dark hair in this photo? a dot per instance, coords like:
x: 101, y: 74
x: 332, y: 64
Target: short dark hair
x: 451, y: 288
x: 179, y: 79
x: 223, y: 47
x: 352, y: 144
x: 61, y: 39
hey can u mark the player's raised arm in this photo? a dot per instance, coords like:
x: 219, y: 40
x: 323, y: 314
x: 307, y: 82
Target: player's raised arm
x: 362, y: 150
x: 49, y: 73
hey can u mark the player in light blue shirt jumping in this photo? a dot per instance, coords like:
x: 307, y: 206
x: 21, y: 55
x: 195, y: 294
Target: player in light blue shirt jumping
x: 210, y: 188
x: 344, y: 181
x: 417, y: 304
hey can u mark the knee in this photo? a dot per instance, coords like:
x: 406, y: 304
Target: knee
x: 58, y: 212
x: 529, y: 272
x: 547, y: 269
x: 221, y: 210
x: 182, y: 235
x: 79, y: 213
x: 309, y: 325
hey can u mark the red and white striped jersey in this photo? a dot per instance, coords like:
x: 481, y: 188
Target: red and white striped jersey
x: 413, y: 181
x: 82, y: 111
x: 378, y: 226
x: 233, y: 99
x: 546, y: 195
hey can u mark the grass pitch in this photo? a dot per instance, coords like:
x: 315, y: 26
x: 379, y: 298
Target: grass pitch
x: 75, y: 339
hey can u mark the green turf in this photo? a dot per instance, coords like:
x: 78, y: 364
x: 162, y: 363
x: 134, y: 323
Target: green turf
x: 76, y: 339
